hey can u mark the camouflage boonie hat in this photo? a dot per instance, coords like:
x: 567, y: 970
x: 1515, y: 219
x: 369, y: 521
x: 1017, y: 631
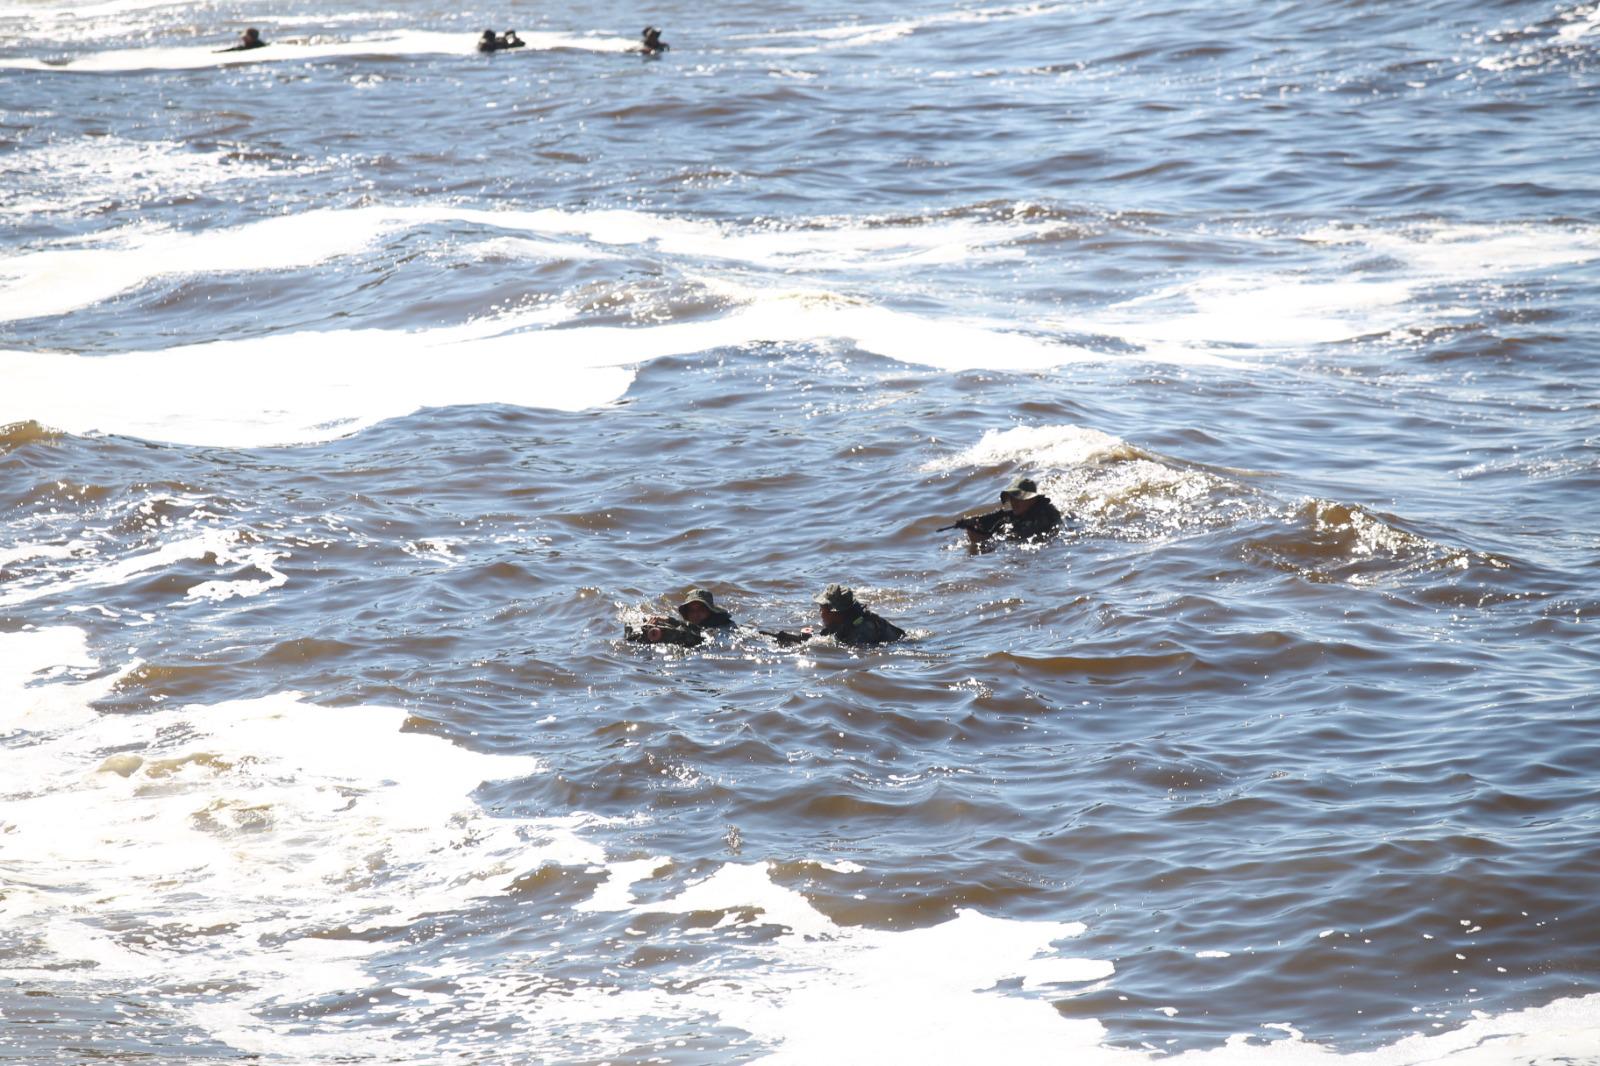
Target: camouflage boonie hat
x: 1021, y: 488
x: 699, y: 596
x: 836, y: 596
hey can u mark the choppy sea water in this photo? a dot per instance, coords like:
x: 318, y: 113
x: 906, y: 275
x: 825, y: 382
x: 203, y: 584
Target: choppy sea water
x: 358, y: 389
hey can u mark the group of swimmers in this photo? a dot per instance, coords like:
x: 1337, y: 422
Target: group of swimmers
x: 1025, y: 515
x: 650, y: 42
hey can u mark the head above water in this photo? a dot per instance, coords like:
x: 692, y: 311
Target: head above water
x: 836, y: 602
x: 650, y: 34
x: 698, y: 606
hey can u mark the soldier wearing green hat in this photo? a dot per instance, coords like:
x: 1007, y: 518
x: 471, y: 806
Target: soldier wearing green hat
x: 846, y: 621
x: 1025, y: 514
x: 697, y: 613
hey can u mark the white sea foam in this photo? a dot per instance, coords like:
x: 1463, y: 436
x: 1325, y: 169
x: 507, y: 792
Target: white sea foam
x: 266, y: 840
x: 251, y: 393
x: 66, y: 277
x: 1464, y: 252
x: 1042, y: 447
x: 1229, y: 314
x: 261, y: 823
x: 90, y: 10
x: 21, y: 552
x: 71, y: 174
x: 1581, y: 22
x: 223, y: 547
x: 405, y: 43
x: 1261, y: 311
x: 855, y: 35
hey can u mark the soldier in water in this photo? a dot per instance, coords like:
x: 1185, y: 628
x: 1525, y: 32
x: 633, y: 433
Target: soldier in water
x: 1024, y: 515
x: 697, y: 613
x: 249, y: 39
x: 650, y: 42
x: 490, y: 43
x: 846, y: 621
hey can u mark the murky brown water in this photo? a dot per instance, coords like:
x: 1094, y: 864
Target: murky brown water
x: 347, y: 428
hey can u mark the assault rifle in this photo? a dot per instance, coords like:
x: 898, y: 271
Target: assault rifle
x: 983, y: 524
x: 785, y: 638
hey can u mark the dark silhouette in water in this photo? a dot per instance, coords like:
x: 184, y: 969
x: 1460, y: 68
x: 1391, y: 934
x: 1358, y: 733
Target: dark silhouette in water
x: 490, y: 43
x: 1026, y: 515
x: 846, y: 621
x: 249, y: 39
x: 650, y: 42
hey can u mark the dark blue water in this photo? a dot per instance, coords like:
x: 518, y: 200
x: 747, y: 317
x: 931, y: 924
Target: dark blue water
x: 359, y: 389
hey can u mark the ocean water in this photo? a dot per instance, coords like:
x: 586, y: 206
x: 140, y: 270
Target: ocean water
x: 357, y: 390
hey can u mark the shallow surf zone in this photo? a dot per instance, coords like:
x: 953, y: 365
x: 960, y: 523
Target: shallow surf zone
x: 293, y: 882
x: 282, y: 879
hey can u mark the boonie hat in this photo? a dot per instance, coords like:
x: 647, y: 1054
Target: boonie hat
x: 836, y: 596
x: 1021, y: 488
x: 698, y: 596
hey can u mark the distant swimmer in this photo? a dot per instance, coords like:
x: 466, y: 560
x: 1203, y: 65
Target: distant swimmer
x: 491, y: 43
x: 846, y: 621
x: 249, y: 39
x: 697, y: 613
x: 650, y: 42
x: 1025, y: 516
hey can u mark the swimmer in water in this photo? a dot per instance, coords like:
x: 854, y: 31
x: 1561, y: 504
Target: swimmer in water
x: 490, y: 43
x: 650, y: 42
x: 249, y: 39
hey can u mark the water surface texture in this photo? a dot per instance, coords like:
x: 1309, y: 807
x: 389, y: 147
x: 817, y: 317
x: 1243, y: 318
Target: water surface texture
x: 358, y: 389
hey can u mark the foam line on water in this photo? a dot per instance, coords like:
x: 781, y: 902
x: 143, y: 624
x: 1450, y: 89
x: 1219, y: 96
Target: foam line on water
x: 1043, y: 447
x: 66, y: 277
x: 260, y: 822
x: 70, y: 175
x: 1460, y: 251
x: 854, y: 35
x: 403, y: 44
x: 250, y: 393
x: 218, y: 543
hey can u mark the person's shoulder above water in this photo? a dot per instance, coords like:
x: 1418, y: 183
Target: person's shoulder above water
x: 249, y: 39
x: 650, y: 42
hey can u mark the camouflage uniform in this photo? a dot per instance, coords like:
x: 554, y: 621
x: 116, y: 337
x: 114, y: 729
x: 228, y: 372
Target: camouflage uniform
x: 858, y: 625
x: 680, y: 631
x: 1041, y: 520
